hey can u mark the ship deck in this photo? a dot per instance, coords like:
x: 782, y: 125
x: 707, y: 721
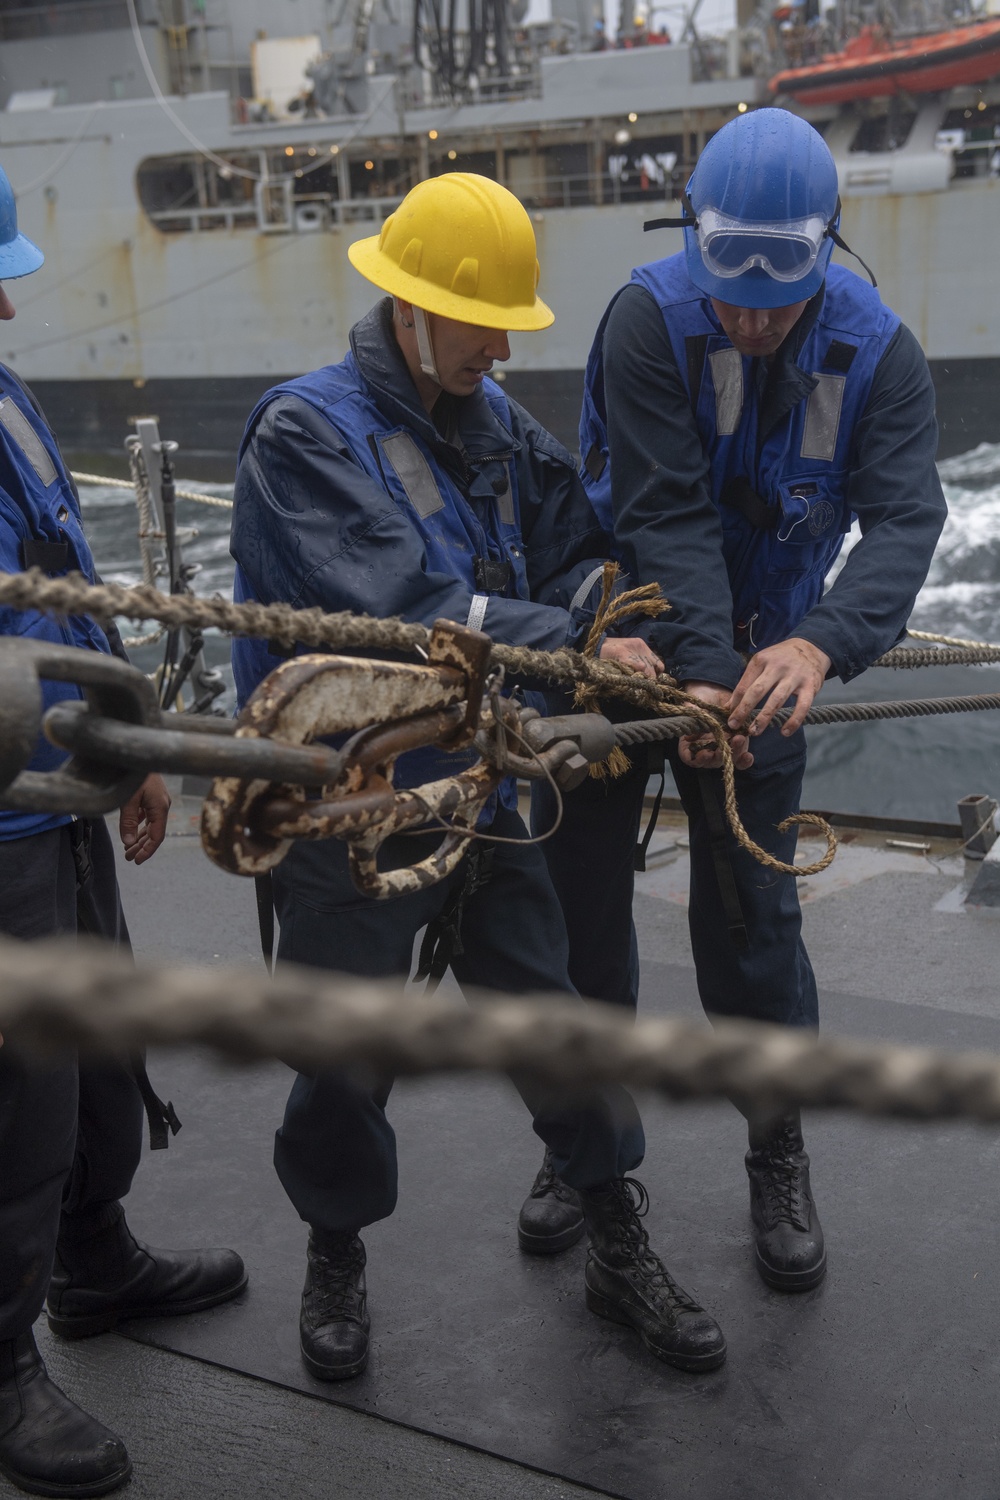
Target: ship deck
x: 488, y: 1377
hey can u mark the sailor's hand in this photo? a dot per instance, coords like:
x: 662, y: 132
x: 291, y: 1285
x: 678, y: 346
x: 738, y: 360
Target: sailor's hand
x: 791, y: 669
x: 700, y: 750
x: 632, y: 652
x: 143, y: 820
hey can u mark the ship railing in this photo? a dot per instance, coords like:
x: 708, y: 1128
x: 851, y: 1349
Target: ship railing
x: 194, y: 220
x: 277, y: 209
x: 22, y: 22
x: 594, y: 189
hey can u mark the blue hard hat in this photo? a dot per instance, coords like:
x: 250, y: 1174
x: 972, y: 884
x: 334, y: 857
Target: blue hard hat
x: 764, y: 199
x: 18, y: 256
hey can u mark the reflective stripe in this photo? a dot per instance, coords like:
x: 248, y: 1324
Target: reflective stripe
x: 477, y: 611
x: 414, y: 474
x: 727, y: 377
x: 822, y: 424
x: 505, y: 506
x: 24, y: 435
x: 585, y: 587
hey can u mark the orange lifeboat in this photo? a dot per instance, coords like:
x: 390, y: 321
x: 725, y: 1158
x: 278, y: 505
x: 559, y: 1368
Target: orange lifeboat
x: 871, y: 66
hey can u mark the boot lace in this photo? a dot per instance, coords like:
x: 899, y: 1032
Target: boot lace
x: 634, y: 1241
x: 779, y: 1178
x: 549, y: 1185
x: 334, y: 1273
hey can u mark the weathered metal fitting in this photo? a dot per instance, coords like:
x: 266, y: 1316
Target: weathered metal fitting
x: 247, y: 826
x: 456, y: 801
x: 112, y: 688
x: 469, y: 651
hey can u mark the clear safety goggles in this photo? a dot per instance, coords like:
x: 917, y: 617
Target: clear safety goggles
x: 787, y: 251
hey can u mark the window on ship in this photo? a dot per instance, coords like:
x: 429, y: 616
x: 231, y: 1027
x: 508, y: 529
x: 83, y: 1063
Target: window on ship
x: 976, y: 127
x: 886, y: 130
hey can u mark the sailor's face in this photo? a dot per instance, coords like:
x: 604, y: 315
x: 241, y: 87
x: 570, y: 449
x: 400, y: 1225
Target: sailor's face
x: 464, y: 353
x: 757, y: 331
x: 6, y: 305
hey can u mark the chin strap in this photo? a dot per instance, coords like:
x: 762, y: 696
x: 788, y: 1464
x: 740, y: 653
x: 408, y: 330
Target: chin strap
x: 424, y: 346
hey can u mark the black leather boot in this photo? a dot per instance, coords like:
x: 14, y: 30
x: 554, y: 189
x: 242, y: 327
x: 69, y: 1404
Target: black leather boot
x: 48, y: 1446
x: 551, y: 1218
x: 334, y: 1323
x: 790, y: 1253
x: 102, y: 1274
x: 628, y: 1283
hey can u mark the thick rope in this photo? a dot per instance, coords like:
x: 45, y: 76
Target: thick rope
x: 147, y: 532
x: 945, y: 656
x: 59, y: 994
x: 951, y: 640
x: 126, y: 484
x: 311, y: 627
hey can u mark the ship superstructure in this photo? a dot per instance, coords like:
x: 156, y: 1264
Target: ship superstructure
x: 196, y: 201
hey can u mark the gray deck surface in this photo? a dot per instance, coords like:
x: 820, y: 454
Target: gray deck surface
x: 882, y: 1383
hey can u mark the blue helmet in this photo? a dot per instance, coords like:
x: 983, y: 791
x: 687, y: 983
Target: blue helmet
x: 764, y: 199
x: 18, y: 256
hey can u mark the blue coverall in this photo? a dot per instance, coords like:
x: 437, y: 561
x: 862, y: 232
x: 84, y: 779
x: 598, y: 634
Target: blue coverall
x: 70, y: 1133
x: 669, y: 529
x: 333, y: 510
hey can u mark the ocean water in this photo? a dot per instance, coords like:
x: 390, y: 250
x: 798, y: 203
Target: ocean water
x: 914, y: 768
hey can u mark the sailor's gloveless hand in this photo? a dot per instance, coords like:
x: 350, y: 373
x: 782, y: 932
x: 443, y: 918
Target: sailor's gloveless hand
x: 633, y: 653
x: 143, y: 820
x: 791, y: 669
x: 700, y: 750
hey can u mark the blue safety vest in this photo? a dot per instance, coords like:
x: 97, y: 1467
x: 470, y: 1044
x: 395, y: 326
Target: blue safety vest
x: 40, y: 525
x: 780, y: 539
x: 402, y: 463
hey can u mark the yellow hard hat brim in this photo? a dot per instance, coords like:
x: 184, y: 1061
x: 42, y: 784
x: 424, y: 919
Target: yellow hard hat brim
x: 366, y: 256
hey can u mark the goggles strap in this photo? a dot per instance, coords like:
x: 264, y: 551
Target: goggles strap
x: 689, y: 220
x: 842, y: 245
x: 424, y: 346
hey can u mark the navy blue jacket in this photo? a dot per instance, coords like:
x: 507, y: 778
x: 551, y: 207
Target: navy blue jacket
x: 39, y: 505
x: 668, y: 529
x: 320, y: 520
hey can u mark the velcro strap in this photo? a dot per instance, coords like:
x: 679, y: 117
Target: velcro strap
x: 491, y: 574
x: 49, y: 556
x: 740, y: 494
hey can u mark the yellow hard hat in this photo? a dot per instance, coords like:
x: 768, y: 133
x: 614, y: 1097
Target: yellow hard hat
x: 461, y: 246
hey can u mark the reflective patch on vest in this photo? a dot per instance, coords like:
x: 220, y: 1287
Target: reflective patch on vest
x: 727, y: 377
x: 414, y: 474
x: 505, y: 501
x: 819, y: 434
x: 477, y: 611
x: 20, y: 430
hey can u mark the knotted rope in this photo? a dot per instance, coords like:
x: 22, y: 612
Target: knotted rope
x: 666, y: 697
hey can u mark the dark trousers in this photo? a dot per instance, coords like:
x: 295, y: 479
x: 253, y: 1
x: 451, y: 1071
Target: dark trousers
x: 335, y: 1152
x: 70, y: 1134
x: 590, y: 859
